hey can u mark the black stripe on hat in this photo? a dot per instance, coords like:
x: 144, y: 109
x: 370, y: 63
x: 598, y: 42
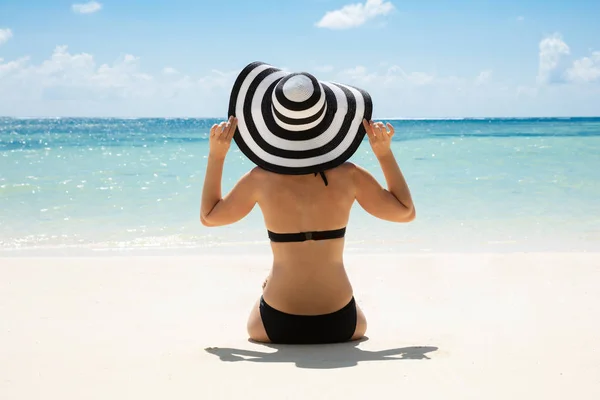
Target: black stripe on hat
x: 285, y: 134
x: 298, y: 106
x: 358, y: 138
x: 301, y: 121
x: 298, y: 154
x: 273, y: 126
x: 235, y: 91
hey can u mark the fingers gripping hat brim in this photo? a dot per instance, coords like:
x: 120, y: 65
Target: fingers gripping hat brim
x: 276, y: 136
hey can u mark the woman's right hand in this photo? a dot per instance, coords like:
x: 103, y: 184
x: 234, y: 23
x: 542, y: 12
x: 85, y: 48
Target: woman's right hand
x: 380, y: 137
x: 220, y: 137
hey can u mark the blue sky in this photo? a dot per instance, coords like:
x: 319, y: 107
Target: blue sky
x: 418, y: 59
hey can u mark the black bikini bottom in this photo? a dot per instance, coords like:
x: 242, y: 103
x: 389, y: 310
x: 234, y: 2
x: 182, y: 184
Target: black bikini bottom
x: 284, y: 328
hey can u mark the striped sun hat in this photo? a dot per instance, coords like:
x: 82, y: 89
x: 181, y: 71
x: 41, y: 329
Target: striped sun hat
x: 292, y: 123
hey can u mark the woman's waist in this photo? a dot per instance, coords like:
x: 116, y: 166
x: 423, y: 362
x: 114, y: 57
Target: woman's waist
x: 307, y: 292
x: 304, y: 255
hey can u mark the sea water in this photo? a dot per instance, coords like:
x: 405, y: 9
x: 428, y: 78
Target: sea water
x: 111, y: 185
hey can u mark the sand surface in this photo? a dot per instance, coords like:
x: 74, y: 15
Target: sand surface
x: 512, y: 326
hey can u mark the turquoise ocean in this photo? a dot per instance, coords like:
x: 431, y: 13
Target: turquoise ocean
x: 108, y: 186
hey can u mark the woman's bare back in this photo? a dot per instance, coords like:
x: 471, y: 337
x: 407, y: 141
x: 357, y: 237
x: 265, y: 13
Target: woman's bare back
x: 307, y: 277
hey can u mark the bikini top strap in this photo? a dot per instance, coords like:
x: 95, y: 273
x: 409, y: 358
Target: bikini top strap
x: 323, y: 176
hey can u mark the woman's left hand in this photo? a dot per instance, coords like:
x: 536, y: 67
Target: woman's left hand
x: 220, y: 137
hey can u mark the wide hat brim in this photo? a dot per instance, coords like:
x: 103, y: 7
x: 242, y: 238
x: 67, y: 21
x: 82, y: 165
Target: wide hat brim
x: 325, y: 143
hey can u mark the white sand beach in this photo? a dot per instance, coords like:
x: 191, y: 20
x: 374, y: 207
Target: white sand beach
x: 456, y: 326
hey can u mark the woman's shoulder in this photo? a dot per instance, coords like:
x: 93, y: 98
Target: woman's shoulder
x: 348, y: 168
x: 257, y: 172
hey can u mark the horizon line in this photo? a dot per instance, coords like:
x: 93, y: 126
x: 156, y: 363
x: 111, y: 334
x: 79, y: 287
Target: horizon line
x: 378, y: 118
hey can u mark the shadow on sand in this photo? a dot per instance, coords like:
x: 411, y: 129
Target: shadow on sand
x: 324, y: 356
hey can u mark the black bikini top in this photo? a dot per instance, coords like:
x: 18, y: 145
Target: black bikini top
x: 303, y: 236
x: 314, y: 235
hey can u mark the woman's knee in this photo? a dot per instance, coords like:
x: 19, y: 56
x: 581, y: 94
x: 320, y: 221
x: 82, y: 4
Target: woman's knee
x: 361, y: 325
x: 256, y: 329
x: 257, y: 333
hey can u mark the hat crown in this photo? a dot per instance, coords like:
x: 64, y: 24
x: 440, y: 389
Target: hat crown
x: 298, y: 88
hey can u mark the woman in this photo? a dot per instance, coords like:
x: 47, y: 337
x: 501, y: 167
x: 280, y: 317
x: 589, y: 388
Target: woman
x: 300, y: 132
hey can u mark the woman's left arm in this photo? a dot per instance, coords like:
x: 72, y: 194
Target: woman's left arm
x: 215, y: 210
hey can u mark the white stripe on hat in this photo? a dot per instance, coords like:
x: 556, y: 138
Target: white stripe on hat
x: 299, y: 114
x: 300, y: 128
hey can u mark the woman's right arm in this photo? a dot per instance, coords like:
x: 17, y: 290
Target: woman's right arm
x: 394, y: 203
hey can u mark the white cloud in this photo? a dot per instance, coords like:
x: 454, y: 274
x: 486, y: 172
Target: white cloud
x: 353, y: 15
x: 520, y: 18
x: 5, y: 34
x: 417, y: 78
x: 391, y: 75
x: 77, y: 84
x: 87, y: 8
x: 554, y: 66
x: 527, y: 91
x: 218, y: 79
x: 483, y: 77
x: 552, y: 52
x: 358, y: 74
x: 63, y: 65
x: 584, y: 70
x: 170, y: 71
x: 11, y: 66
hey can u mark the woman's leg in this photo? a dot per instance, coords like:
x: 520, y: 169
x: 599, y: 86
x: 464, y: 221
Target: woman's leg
x: 361, y: 324
x: 256, y: 329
